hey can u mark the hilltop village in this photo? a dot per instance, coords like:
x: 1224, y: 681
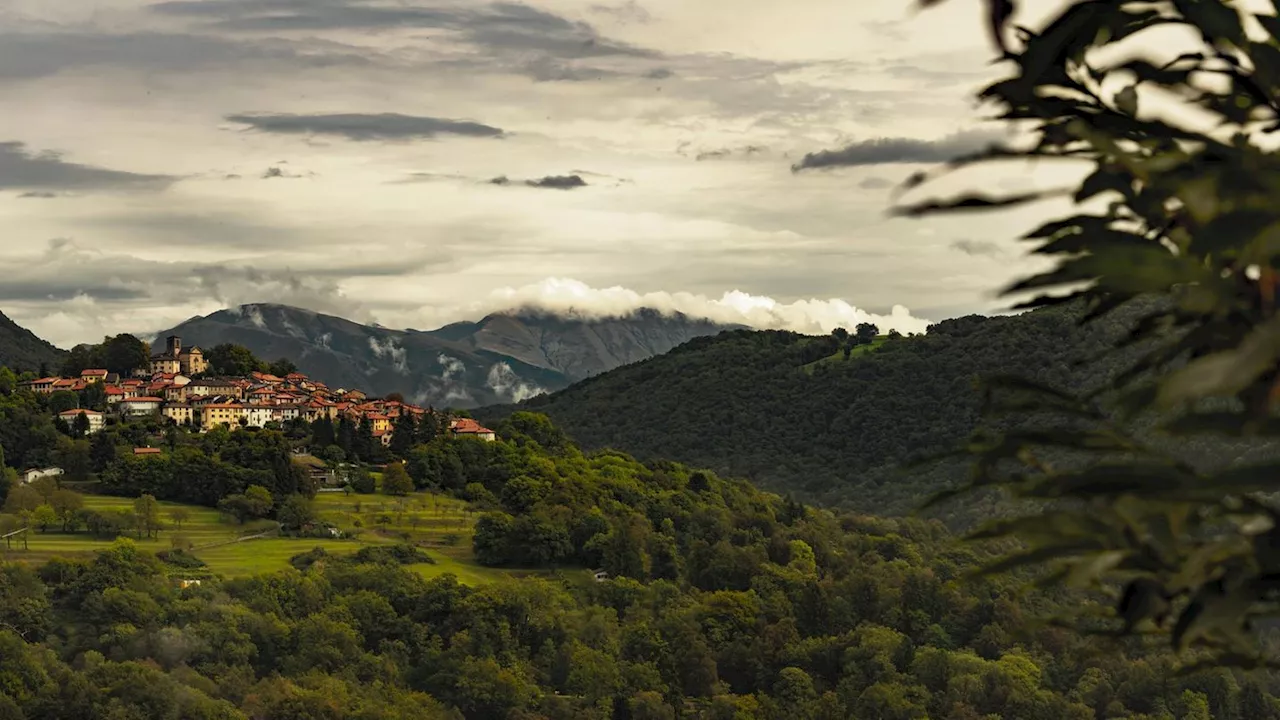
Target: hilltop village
x: 177, y: 388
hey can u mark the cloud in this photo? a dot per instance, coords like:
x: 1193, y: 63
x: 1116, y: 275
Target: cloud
x: 21, y: 169
x: 40, y: 195
x: 885, y: 151
x: 875, y: 182
x: 452, y: 377
x: 500, y: 27
x: 366, y: 127
x: 574, y: 298
x: 627, y: 12
x: 550, y: 182
x: 558, y: 182
x: 504, y: 381
x: 727, y: 153
x: 978, y: 247
x: 392, y: 352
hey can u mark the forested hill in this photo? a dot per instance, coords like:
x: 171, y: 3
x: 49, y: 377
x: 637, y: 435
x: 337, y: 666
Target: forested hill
x: 21, y: 349
x: 781, y: 409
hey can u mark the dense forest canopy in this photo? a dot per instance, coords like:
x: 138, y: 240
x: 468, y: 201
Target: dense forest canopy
x: 716, y: 600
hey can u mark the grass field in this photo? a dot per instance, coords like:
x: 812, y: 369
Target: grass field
x: 439, y: 524
x: 838, y: 357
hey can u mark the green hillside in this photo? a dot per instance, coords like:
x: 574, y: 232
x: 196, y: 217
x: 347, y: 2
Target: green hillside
x: 789, y: 412
x: 22, y: 350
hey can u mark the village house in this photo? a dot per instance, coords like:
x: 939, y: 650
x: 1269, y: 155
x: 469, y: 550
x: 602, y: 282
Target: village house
x: 97, y: 420
x: 214, y: 387
x: 177, y: 359
x: 94, y: 376
x: 145, y: 405
x: 147, y: 451
x: 258, y: 415
x: 179, y: 413
x: 466, y: 427
x: 215, y: 414
x: 35, y: 474
x: 44, y: 386
x: 114, y: 394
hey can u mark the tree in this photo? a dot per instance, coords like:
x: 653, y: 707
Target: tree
x: 1185, y: 240
x: 62, y: 401
x: 363, y: 482
x: 80, y: 426
x: 396, y: 481
x: 75, y: 459
x: 296, y: 513
x: 178, y: 516
x: 865, y: 333
x: 44, y: 517
x: 146, y: 515
x: 94, y: 397
x: 254, y: 502
x: 282, y: 367
x: 403, y: 435
x: 322, y: 434
x: 102, y: 451
x: 67, y: 505
x: 233, y: 360
x: 123, y: 354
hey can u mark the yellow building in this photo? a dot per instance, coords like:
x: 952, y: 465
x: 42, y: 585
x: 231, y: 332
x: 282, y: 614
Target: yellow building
x: 213, y: 415
x: 179, y: 413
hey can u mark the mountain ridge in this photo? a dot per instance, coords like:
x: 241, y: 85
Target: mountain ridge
x: 504, y: 357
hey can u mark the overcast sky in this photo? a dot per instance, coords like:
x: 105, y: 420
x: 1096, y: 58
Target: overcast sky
x: 416, y: 162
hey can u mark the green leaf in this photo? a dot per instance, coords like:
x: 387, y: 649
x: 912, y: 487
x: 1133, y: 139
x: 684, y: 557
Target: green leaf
x: 1038, y: 556
x: 974, y: 202
x: 1225, y: 373
x: 1212, y: 608
x: 1216, y: 20
x: 1127, y: 100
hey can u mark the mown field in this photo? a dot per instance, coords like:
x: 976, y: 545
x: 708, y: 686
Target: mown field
x: 441, y: 525
x: 839, y: 357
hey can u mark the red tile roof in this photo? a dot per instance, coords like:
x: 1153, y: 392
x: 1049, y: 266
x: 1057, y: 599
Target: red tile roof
x: 146, y: 451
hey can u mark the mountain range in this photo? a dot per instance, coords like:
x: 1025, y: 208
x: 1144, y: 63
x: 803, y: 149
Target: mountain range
x: 502, y: 358
x: 20, y: 349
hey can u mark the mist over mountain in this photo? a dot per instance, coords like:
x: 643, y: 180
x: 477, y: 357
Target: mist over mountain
x: 504, y: 357
x: 22, y: 349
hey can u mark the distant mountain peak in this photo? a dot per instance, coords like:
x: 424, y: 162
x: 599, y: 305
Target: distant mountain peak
x: 517, y: 352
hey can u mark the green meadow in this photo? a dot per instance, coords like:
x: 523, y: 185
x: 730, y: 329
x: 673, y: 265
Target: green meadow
x: 440, y: 525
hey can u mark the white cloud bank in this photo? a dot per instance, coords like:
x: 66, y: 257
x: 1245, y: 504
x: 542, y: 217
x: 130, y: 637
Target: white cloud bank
x: 570, y: 297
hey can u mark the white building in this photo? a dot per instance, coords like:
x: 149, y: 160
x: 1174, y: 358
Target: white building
x: 259, y: 415
x: 35, y: 474
x: 141, y: 405
x: 97, y: 420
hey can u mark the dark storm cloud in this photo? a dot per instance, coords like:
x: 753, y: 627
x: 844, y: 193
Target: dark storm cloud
x: 550, y: 182
x: 558, y: 182
x: 498, y: 26
x: 38, y: 195
x: 21, y: 169
x: 364, y: 127
x: 977, y: 247
x: 884, y: 151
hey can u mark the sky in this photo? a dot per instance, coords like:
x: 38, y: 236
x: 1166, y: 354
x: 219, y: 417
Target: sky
x: 418, y: 162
